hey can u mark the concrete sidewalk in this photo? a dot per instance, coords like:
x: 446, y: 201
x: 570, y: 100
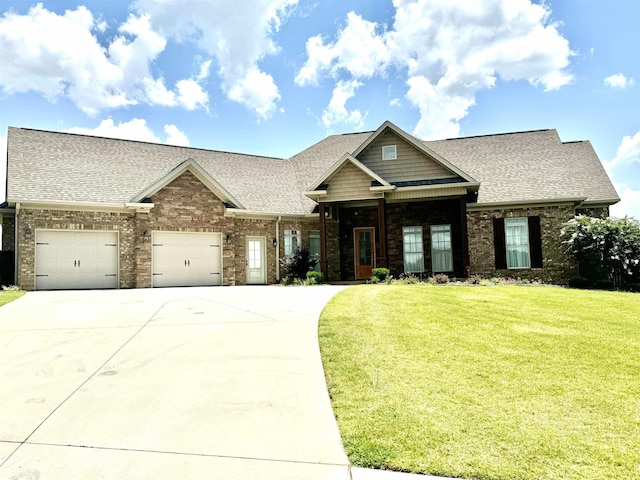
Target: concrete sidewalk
x: 166, y: 383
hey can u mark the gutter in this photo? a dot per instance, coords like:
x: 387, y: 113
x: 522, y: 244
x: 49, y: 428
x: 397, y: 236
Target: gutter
x: 278, y: 249
x: 543, y: 201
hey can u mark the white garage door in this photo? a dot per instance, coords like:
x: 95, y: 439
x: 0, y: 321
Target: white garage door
x: 67, y: 259
x: 186, y: 259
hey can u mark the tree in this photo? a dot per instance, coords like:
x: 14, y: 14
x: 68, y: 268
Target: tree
x: 605, y: 246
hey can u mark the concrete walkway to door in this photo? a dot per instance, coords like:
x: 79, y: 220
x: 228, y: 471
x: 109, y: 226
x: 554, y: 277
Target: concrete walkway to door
x: 197, y: 383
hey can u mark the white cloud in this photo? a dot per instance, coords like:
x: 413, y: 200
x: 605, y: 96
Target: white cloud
x: 257, y: 91
x: 238, y: 34
x: 336, y: 112
x: 359, y: 50
x: 629, y: 204
x: 628, y: 153
x: 451, y: 49
x: 175, y: 136
x: 618, y: 81
x: 60, y: 55
x: 135, y: 129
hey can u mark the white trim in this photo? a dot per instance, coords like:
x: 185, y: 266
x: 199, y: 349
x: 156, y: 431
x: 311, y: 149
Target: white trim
x: 392, y: 155
x: 199, y: 172
x: 417, y: 144
x: 263, y: 252
x: 337, y: 165
x: 525, y: 203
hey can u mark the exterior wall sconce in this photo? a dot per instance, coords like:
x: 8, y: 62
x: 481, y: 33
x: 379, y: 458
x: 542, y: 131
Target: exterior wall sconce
x: 229, y: 238
x: 275, y: 242
x: 146, y: 236
x: 27, y: 233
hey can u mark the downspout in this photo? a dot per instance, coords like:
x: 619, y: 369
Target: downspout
x: 16, y: 228
x: 278, y: 249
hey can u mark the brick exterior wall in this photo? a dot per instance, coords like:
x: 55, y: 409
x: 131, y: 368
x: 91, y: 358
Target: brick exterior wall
x: 8, y: 232
x: 124, y: 223
x: 185, y: 205
x: 597, y: 212
x: 558, y: 266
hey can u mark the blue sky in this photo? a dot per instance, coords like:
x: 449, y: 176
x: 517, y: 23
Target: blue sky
x: 271, y: 77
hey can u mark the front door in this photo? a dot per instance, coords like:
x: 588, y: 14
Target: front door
x: 364, y: 250
x: 255, y: 260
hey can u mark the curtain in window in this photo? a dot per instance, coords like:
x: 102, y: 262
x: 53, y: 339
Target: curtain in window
x: 517, y: 242
x: 413, y: 252
x: 291, y: 242
x: 441, y: 254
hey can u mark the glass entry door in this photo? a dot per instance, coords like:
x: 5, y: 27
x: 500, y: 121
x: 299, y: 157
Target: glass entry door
x: 364, y: 252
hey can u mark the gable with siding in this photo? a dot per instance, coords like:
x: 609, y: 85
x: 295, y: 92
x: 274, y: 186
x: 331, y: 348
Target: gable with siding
x: 349, y: 183
x: 411, y: 164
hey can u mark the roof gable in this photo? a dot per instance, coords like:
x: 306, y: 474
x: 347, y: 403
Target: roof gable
x: 415, y: 160
x: 193, y: 167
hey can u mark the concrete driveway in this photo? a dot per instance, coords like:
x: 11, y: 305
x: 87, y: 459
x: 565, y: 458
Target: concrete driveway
x: 166, y: 383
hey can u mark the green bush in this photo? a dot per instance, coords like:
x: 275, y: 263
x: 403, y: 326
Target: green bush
x: 298, y: 264
x: 579, y: 282
x: 604, y: 285
x: 633, y: 287
x: 380, y: 274
x: 315, y: 277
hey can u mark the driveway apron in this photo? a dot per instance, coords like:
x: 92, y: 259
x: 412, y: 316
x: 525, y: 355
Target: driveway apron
x: 219, y: 382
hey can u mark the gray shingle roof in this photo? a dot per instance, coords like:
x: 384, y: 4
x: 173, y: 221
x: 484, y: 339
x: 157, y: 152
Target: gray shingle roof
x: 48, y: 166
x: 529, y: 166
x: 60, y: 167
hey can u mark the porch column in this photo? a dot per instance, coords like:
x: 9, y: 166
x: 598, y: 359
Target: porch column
x: 383, y: 261
x: 324, y: 262
x: 465, y: 237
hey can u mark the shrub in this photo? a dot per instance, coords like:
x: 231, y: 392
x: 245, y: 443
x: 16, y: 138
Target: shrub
x: 298, y: 264
x: 441, y: 278
x: 408, y: 279
x: 633, y: 287
x: 604, y: 285
x: 380, y: 274
x: 474, y: 279
x: 315, y: 277
x: 578, y: 281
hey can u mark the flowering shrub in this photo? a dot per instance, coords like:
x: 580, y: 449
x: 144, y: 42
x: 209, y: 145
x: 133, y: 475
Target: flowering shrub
x: 606, y: 248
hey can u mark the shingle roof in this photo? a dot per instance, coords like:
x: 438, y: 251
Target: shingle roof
x: 518, y: 167
x: 48, y: 166
x: 529, y: 166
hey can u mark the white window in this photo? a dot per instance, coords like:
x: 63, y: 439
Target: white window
x: 412, y: 249
x: 516, y: 231
x: 389, y: 152
x: 314, y: 247
x: 291, y: 241
x: 441, y: 253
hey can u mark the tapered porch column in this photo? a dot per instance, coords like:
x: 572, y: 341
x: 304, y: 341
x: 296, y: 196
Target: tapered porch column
x: 324, y: 261
x: 382, y: 261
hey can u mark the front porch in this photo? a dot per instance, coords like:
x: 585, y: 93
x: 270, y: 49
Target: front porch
x: 421, y: 237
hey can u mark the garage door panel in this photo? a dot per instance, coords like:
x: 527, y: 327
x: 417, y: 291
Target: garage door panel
x: 76, y: 259
x: 186, y: 259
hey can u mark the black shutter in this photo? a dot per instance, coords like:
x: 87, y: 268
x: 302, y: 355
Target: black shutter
x: 499, y: 243
x: 535, y: 242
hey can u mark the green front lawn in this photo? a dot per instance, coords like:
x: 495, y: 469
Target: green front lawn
x: 486, y: 382
x: 7, y: 296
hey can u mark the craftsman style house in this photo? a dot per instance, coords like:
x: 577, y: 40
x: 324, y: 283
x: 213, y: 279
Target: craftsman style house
x: 91, y: 212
